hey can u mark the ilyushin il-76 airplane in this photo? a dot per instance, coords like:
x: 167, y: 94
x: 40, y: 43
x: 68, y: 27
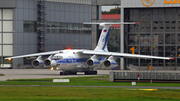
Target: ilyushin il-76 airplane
x: 79, y: 60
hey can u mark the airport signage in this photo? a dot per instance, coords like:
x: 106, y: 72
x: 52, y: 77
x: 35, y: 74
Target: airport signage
x: 150, y: 3
x: 147, y: 2
x: 171, y: 1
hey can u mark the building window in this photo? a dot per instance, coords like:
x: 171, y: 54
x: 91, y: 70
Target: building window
x: 170, y: 51
x: 27, y: 61
x: 170, y: 39
x: 7, y: 14
x: 157, y: 62
x: 170, y: 62
x: 56, y: 27
x: 178, y: 62
x: 7, y: 26
x: 133, y: 39
x: 145, y: 50
x: 145, y: 62
x: 133, y: 61
x: 29, y: 26
x: 145, y: 39
x: 158, y: 39
x: 158, y: 51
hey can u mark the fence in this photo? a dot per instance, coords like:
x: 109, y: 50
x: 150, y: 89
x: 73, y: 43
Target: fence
x: 144, y: 75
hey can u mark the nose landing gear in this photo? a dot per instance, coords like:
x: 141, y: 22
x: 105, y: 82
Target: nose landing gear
x: 90, y: 72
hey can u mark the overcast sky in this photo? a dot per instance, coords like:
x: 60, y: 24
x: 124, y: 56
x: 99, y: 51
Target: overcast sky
x: 107, y: 8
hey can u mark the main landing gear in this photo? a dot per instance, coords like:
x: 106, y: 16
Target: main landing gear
x: 90, y: 72
x: 75, y: 73
x: 68, y: 73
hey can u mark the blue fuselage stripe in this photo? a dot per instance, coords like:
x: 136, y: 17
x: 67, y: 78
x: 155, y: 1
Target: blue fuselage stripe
x: 113, y: 63
x: 71, y: 60
x: 41, y: 63
x: 96, y: 62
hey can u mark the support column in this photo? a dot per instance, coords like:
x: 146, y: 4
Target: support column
x: 42, y: 20
x: 94, y: 36
x: 2, y: 60
x: 94, y: 18
x: 122, y: 38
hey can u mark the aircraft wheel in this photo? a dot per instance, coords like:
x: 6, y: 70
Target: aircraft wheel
x: 74, y: 73
x: 61, y: 73
x: 65, y: 73
x: 95, y: 72
x: 86, y: 73
x: 90, y: 73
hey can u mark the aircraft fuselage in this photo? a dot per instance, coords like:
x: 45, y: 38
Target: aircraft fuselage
x: 71, y: 60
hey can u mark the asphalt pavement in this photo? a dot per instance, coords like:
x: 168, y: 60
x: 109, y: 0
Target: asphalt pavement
x: 39, y: 73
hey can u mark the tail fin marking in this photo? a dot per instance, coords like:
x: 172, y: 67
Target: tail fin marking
x: 102, y: 43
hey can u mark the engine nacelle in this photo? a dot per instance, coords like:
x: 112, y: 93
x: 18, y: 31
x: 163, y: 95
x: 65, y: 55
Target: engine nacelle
x: 47, y: 62
x: 50, y: 63
x: 93, y: 61
x: 110, y: 62
x: 38, y: 63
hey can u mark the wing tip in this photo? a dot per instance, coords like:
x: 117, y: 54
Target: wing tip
x: 137, y: 22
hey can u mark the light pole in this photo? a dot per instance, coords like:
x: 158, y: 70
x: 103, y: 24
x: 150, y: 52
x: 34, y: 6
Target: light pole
x: 122, y: 37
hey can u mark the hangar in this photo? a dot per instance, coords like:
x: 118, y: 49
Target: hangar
x: 157, y: 34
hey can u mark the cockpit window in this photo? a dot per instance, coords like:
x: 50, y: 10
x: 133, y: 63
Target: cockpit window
x: 60, y: 52
x: 57, y: 57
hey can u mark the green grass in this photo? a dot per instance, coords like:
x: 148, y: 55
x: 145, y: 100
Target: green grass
x: 52, y: 93
x: 27, y: 93
x: 83, y: 81
x: 1, y: 74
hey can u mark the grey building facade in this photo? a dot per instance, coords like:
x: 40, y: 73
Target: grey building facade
x: 31, y: 26
x: 157, y: 34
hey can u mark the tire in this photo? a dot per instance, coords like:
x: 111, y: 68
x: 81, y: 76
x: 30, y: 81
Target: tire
x: 61, y: 73
x: 86, y: 73
x: 95, y: 72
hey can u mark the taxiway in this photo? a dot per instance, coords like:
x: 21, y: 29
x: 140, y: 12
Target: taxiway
x: 39, y: 73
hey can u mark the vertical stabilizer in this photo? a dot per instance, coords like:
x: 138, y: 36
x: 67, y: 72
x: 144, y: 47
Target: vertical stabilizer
x: 103, y: 39
x: 102, y: 43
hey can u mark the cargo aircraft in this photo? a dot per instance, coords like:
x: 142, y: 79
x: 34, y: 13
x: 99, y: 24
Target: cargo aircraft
x: 71, y: 61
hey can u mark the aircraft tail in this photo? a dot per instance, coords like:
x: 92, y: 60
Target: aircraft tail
x: 102, y: 43
x: 103, y: 39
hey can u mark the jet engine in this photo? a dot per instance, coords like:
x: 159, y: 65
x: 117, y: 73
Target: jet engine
x: 93, y: 61
x: 49, y: 62
x: 37, y: 63
x: 110, y: 62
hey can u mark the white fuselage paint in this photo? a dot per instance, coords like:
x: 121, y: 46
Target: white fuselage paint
x: 72, y: 60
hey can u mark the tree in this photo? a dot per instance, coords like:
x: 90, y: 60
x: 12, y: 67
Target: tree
x: 116, y: 10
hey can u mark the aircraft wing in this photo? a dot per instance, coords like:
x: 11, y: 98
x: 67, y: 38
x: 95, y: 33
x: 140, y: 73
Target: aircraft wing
x: 123, y: 55
x: 35, y: 54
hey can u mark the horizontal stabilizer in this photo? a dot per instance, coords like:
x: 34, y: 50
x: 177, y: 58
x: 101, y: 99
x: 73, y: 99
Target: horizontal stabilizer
x: 111, y: 23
